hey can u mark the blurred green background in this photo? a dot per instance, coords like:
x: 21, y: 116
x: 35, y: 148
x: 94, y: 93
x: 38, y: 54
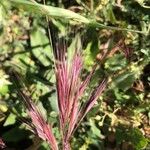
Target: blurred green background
x: 121, y: 118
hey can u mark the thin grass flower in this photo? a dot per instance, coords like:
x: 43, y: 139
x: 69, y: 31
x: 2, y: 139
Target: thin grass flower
x: 2, y: 144
x: 70, y: 89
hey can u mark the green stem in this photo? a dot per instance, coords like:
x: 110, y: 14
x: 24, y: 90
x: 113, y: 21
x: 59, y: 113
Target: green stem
x: 99, y: 25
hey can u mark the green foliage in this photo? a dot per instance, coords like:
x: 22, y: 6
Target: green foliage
x: 11, y: 119
x: 120, y: 81
x: 15, y: 134
x: 134, y: 136
x: 40, y: 47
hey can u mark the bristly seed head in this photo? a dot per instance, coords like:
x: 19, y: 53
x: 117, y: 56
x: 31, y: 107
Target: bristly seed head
x: 70, y: 89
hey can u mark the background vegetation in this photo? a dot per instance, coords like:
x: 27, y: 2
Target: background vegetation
x: 121, y: 118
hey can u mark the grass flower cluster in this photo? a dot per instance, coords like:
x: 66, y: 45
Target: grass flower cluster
x: 70, y: 89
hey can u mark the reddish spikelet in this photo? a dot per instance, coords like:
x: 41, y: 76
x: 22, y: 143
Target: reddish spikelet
x: 75, y: 110
x: 89, y: 104
x: 87, y: 80
x: 2, y: 144
x: 94, y: 96
x: 69, y: 91
x: 127, y: 52
x: 41, y: 128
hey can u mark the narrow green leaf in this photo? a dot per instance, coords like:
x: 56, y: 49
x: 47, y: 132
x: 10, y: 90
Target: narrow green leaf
x: 40, y: 47
x: 10, y: 120
x: 61, y: 13
x: 49, y: 10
